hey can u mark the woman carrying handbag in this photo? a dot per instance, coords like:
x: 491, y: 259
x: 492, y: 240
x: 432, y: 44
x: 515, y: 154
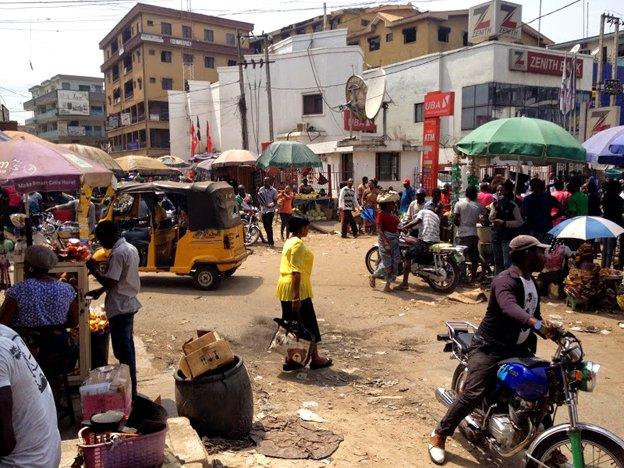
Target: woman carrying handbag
x: 294, y: 290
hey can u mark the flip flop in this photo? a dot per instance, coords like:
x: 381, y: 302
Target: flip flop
x: 326, y: 363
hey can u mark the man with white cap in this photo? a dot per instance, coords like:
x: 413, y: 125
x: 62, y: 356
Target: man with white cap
x: 506, y: 331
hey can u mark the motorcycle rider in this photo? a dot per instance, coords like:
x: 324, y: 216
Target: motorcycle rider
x: 428, y: 223
x: 506, y: 331
x: 244, y: 202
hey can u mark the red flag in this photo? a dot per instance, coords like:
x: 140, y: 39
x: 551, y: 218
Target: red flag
x: 208, y: 139
x: 194, y: 141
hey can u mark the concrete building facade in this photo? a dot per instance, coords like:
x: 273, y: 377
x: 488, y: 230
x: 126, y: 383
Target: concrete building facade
x: 68, y: 109
x: 393, y: 33
x: 153, y: 50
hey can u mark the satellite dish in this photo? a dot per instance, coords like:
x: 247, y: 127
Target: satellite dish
x: 376, y: 84
x: 355, y: 93
x: 575, y: 49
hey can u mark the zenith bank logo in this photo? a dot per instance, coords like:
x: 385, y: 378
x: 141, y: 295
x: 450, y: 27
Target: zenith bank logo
x: 481, y: 14
x: 600, y: 124
x: 509, y: 11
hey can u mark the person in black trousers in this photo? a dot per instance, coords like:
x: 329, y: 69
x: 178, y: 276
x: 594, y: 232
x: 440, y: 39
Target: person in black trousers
x: 267, y: 197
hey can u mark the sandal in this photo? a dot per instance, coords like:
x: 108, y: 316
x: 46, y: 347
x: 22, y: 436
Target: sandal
x: 321, y: 364
x: 291, y: 366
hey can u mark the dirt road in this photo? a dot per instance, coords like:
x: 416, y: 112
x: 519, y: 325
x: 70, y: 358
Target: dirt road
x: 379, y: 394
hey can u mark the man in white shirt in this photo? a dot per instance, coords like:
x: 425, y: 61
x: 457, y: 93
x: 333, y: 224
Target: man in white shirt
x: 122, y: 284
x: 29, y: 436
x: 347, y: 203
x: 467, y: 213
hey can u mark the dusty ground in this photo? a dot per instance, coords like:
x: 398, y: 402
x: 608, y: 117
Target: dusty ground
x: 379, y: 394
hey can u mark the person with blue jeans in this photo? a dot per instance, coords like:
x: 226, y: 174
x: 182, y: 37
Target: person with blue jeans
x: 122, y: 284
x: 506, y: 219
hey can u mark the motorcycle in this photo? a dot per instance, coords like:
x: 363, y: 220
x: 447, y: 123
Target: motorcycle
x: 439, y: 267
x: 520, y: 412
x: 250, y: 226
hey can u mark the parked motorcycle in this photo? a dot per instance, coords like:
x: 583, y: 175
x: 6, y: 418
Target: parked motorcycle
x: 439, y: 267
x: 250, y: 226
x: 519, y: 414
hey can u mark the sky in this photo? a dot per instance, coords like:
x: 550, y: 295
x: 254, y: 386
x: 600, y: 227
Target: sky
x: 43, y: 38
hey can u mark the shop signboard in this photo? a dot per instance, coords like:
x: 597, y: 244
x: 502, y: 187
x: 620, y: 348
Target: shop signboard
x: 125, y: 118
x: 439, y: 104
x: 76, y: 130
x: 431, y: 156
x: 358, y: 125
x: 152, y: 38
x: 72, y: 102
x: 540, y: 63
x: 495, y: 19
x: 180, y: 42
x: 602, y: 118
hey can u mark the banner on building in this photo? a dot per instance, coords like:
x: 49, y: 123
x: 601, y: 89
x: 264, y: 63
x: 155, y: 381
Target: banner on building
x: 431, y: 156
x: 540, y: 63
x: 359, y: 125
x: 602, y: 118
x: 495, y: 19
x: 125, y: 118
x: 439, y: 104
x: 73, y: 102
x: 76, y: 130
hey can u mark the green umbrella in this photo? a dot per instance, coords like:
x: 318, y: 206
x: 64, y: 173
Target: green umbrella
x: 287, y: 154
x: 522, y: 138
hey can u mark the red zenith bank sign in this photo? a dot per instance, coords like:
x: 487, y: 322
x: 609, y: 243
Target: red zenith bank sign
x: 540, y: 63
x: 437, y: 104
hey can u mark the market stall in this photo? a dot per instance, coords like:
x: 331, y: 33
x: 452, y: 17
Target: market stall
x: 297, y: 160
x: 144, y: 166
x: 30, y: 166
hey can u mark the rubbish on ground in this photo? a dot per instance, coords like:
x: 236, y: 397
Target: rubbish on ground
x: 555, y: 316
x: 293, y: 439
x: 621, y: 324
x: 586, y: 329
x: 218, y: 445
x: 206, y: 352
x: 309, y: 404
x: 605, y: 332
x: 307, y: 415
x: 475, y: 296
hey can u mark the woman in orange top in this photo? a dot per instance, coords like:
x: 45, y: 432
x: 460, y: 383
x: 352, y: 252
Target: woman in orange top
x: 285, y: 204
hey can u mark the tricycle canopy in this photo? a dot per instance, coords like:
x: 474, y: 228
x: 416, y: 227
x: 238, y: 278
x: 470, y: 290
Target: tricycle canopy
x: 211, y: 205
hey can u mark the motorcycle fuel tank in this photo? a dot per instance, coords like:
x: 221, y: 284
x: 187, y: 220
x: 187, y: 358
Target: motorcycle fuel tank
x: 528, y: 382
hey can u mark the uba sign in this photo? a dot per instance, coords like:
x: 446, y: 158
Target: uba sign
x: 439, y: 104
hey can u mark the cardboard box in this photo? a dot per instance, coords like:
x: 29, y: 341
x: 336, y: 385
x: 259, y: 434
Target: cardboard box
x: 205, y: 353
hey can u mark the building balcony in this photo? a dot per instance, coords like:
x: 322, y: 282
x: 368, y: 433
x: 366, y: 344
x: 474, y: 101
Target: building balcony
x: 51, y: 113
x: 49, y: 135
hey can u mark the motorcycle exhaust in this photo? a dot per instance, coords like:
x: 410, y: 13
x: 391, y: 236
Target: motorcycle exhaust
x: 447, y: 398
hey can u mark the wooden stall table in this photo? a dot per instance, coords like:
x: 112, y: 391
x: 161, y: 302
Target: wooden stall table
x: 78, y: 269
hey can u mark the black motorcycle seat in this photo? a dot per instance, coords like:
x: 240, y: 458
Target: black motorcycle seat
x: 529, y: 362
x: 464, y: 340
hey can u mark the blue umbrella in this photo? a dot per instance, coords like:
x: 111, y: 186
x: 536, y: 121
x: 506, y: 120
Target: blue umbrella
x: 606, y: 147
x: 585, y: 228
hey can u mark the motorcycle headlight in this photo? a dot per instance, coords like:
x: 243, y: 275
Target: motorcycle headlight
x: 589, y: 371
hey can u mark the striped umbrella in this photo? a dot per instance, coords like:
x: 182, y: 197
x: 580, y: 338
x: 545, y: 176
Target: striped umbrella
x: 586, y: 228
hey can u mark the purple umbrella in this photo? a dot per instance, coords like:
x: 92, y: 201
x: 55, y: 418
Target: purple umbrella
x: 34, y: 167
x: 606, y: 147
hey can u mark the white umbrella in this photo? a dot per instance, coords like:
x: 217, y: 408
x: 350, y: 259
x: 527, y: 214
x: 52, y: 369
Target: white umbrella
x: 586, y: 228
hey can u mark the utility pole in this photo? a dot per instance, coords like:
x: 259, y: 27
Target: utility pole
x: 539, y: 23
x: 268, y: 85
x: 597, y: 102
x: 324, y: 16
x: 614, y: 67
x: 242, y: 103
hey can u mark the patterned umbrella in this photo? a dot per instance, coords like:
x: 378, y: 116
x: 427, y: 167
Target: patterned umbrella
x: 235, y: 158
x: 586, y: 228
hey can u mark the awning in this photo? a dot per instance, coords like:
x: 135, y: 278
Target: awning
x: 329, y: 147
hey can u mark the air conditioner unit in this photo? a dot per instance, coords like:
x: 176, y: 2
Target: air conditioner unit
x: 302, y: 127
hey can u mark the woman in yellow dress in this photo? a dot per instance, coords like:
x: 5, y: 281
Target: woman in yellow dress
x: 294, y: 290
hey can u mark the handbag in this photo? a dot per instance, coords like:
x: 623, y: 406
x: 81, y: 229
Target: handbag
x: 289, y: 344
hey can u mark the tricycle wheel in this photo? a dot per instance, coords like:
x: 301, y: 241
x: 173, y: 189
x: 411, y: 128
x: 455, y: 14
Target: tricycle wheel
x: 206, y: 277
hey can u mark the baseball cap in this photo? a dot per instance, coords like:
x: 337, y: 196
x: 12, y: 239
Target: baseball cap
x: 406, y: 181
x: 524, y: 242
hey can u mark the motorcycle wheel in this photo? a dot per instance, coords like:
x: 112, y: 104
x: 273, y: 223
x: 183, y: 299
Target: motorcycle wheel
x: 372, y: 259
x: 598, y: 449
x: 252, y: 235
x: 452, y: 278
x: 459, y: 379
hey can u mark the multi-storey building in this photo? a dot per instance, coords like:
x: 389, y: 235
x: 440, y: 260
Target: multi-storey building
x: 153, y: 50
x: 393, y: 33
x: 68, y: 109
